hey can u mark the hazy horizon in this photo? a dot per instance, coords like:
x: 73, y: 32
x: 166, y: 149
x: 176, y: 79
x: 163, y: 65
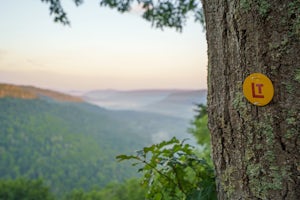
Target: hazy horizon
x: 102, y: 49
x: 104, y: 89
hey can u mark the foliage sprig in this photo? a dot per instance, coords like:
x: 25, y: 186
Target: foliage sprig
x: 172, y: 170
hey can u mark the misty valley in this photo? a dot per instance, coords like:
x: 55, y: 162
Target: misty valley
x: 71, y: 143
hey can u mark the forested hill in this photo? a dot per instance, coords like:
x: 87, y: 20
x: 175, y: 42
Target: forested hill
x: 29, y: 92
x: 73, y: 145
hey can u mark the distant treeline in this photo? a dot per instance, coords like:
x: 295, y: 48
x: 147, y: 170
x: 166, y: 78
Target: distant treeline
x: 21, y: 189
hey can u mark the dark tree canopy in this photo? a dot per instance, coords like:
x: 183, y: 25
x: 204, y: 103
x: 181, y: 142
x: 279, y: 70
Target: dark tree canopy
x: 161, y: 13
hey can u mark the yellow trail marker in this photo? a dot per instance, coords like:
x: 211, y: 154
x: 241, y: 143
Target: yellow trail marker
x: 258, y: 89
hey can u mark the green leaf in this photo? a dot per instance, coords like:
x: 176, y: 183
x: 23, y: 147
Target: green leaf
x: 140, y: 169
x: 147, y: 149
x: 158, y: 196
x: 125, y: 157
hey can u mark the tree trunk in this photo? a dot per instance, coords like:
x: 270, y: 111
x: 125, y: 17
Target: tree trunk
x: 256, y: 149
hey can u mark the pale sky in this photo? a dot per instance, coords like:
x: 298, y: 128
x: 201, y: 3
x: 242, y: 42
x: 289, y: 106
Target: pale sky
x: 102, y: 49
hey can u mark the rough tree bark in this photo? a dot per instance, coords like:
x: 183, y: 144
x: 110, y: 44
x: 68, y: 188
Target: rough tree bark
x: 256, y: 150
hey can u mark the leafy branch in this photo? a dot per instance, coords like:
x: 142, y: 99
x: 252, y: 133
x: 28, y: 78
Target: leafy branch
x: 172, y: 170
x: 161, y: 13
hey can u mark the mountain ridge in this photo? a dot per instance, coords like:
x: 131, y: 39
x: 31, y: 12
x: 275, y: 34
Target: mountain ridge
x: 31, y: 92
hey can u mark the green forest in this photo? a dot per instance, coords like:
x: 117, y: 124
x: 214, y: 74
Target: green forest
x: 63, y: 150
